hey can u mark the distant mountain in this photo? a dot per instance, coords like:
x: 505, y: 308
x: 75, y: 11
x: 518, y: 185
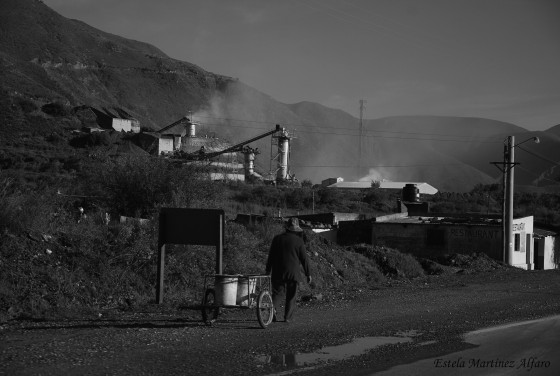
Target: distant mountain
x: 554, y: 130
x: 46, y: 58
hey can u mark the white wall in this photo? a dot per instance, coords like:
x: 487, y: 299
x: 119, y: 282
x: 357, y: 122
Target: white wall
x: 547, y: 251
x: 122, y: 125
x: 165, y: 145
x: 523, y: 257
x: 222, y: 176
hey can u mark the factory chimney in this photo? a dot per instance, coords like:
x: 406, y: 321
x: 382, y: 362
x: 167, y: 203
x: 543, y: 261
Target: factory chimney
x: 283, y: 154
x: 249, y: 158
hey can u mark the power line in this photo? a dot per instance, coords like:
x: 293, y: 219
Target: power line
x: 381, y: 166
x: 539, y: 156
x: 538, y: 176
x: 369, y: 133
x: 322, y: 127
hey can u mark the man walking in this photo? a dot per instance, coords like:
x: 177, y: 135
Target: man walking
x: 287, y: 252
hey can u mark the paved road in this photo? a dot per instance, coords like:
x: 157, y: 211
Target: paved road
x: 529, y: 347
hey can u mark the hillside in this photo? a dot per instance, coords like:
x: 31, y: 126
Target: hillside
x: 63, y: 60
x: 554, y: 130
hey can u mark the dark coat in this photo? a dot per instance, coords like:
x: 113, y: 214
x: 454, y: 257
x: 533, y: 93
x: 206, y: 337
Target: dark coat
x: 287, y: 252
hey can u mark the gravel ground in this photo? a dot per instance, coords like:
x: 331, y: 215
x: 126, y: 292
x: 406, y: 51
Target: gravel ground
x: 435, y: 310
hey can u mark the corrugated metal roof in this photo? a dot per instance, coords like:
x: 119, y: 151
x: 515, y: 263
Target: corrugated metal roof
x: 178, y: 130
x: 427, y: 220
x: 539, y: 232
x: 424, y: 188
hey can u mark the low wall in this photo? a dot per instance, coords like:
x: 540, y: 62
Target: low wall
x: 428, y: 240
x: 354, y: 232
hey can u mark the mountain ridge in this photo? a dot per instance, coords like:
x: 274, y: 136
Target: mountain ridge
x: 60, y: 59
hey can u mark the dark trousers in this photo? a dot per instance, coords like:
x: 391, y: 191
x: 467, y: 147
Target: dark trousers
x: 290, y: 288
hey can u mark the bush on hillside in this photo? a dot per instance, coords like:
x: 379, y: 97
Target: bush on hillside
x: 245, y: 253
x: 22, y: 211
x: 380, y: 200
x: 55, y: 109
x: 137, y: 186
x: 85, y: 266
x: 26, y: 105
x: 390, y: 261
x: 330, y: 196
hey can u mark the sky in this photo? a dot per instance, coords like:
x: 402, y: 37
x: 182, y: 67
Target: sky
x: 496, y: 59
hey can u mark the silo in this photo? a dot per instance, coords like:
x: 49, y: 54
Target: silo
x: 283, y: 153
x: 411, y: 193
x: 249, y: 154
x: 191, y: 129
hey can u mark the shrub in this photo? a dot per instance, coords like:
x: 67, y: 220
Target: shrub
x: 55, y: 109
x: 55, y: 138
x: 137, y: 186
x: 77, y: 266
x: 245, y: 253
x: 299, y: 198
x: 26, y: 105
x: 390, y: 261
x: 95, y: 139
x: 25, y: 211
x: 329, y: 196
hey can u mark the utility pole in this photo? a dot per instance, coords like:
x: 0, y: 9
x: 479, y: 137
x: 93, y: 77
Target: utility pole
x: 362, y: 107
x: 313, y: 198
x: 509, y: 199
x: 507, y: 167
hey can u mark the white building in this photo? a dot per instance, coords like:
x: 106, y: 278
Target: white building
x: 423, y: 187
x: 125, y: 125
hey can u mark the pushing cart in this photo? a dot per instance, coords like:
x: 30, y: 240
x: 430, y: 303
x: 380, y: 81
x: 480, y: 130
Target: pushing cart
x: 237, y: 291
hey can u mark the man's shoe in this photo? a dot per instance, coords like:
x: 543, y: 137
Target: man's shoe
x: 288, y: 321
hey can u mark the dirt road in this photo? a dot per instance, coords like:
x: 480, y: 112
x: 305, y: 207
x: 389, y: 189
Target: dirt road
x: 431, y: 314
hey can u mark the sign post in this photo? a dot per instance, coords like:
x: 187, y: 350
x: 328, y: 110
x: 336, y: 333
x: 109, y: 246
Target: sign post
x: 188, y: 226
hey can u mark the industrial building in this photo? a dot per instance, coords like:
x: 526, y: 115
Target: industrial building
x: 179, y: 141
x: 433, y: 235
x: 107, y: 119
x: 424, y: 188
x: 116, y: 119
x: 414, y: 229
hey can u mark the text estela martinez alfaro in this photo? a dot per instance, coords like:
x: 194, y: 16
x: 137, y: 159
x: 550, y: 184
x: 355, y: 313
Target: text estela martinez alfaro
x: 524, y: 363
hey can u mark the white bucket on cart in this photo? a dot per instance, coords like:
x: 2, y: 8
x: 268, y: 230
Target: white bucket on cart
x: 245, y: 290
x: 225, y: 287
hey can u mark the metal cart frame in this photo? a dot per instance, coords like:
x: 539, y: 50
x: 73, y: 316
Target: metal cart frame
x: 259, y: 298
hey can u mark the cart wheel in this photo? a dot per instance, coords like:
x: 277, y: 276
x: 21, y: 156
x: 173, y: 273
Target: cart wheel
x: 265, y: 309
x: 209, y: 314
